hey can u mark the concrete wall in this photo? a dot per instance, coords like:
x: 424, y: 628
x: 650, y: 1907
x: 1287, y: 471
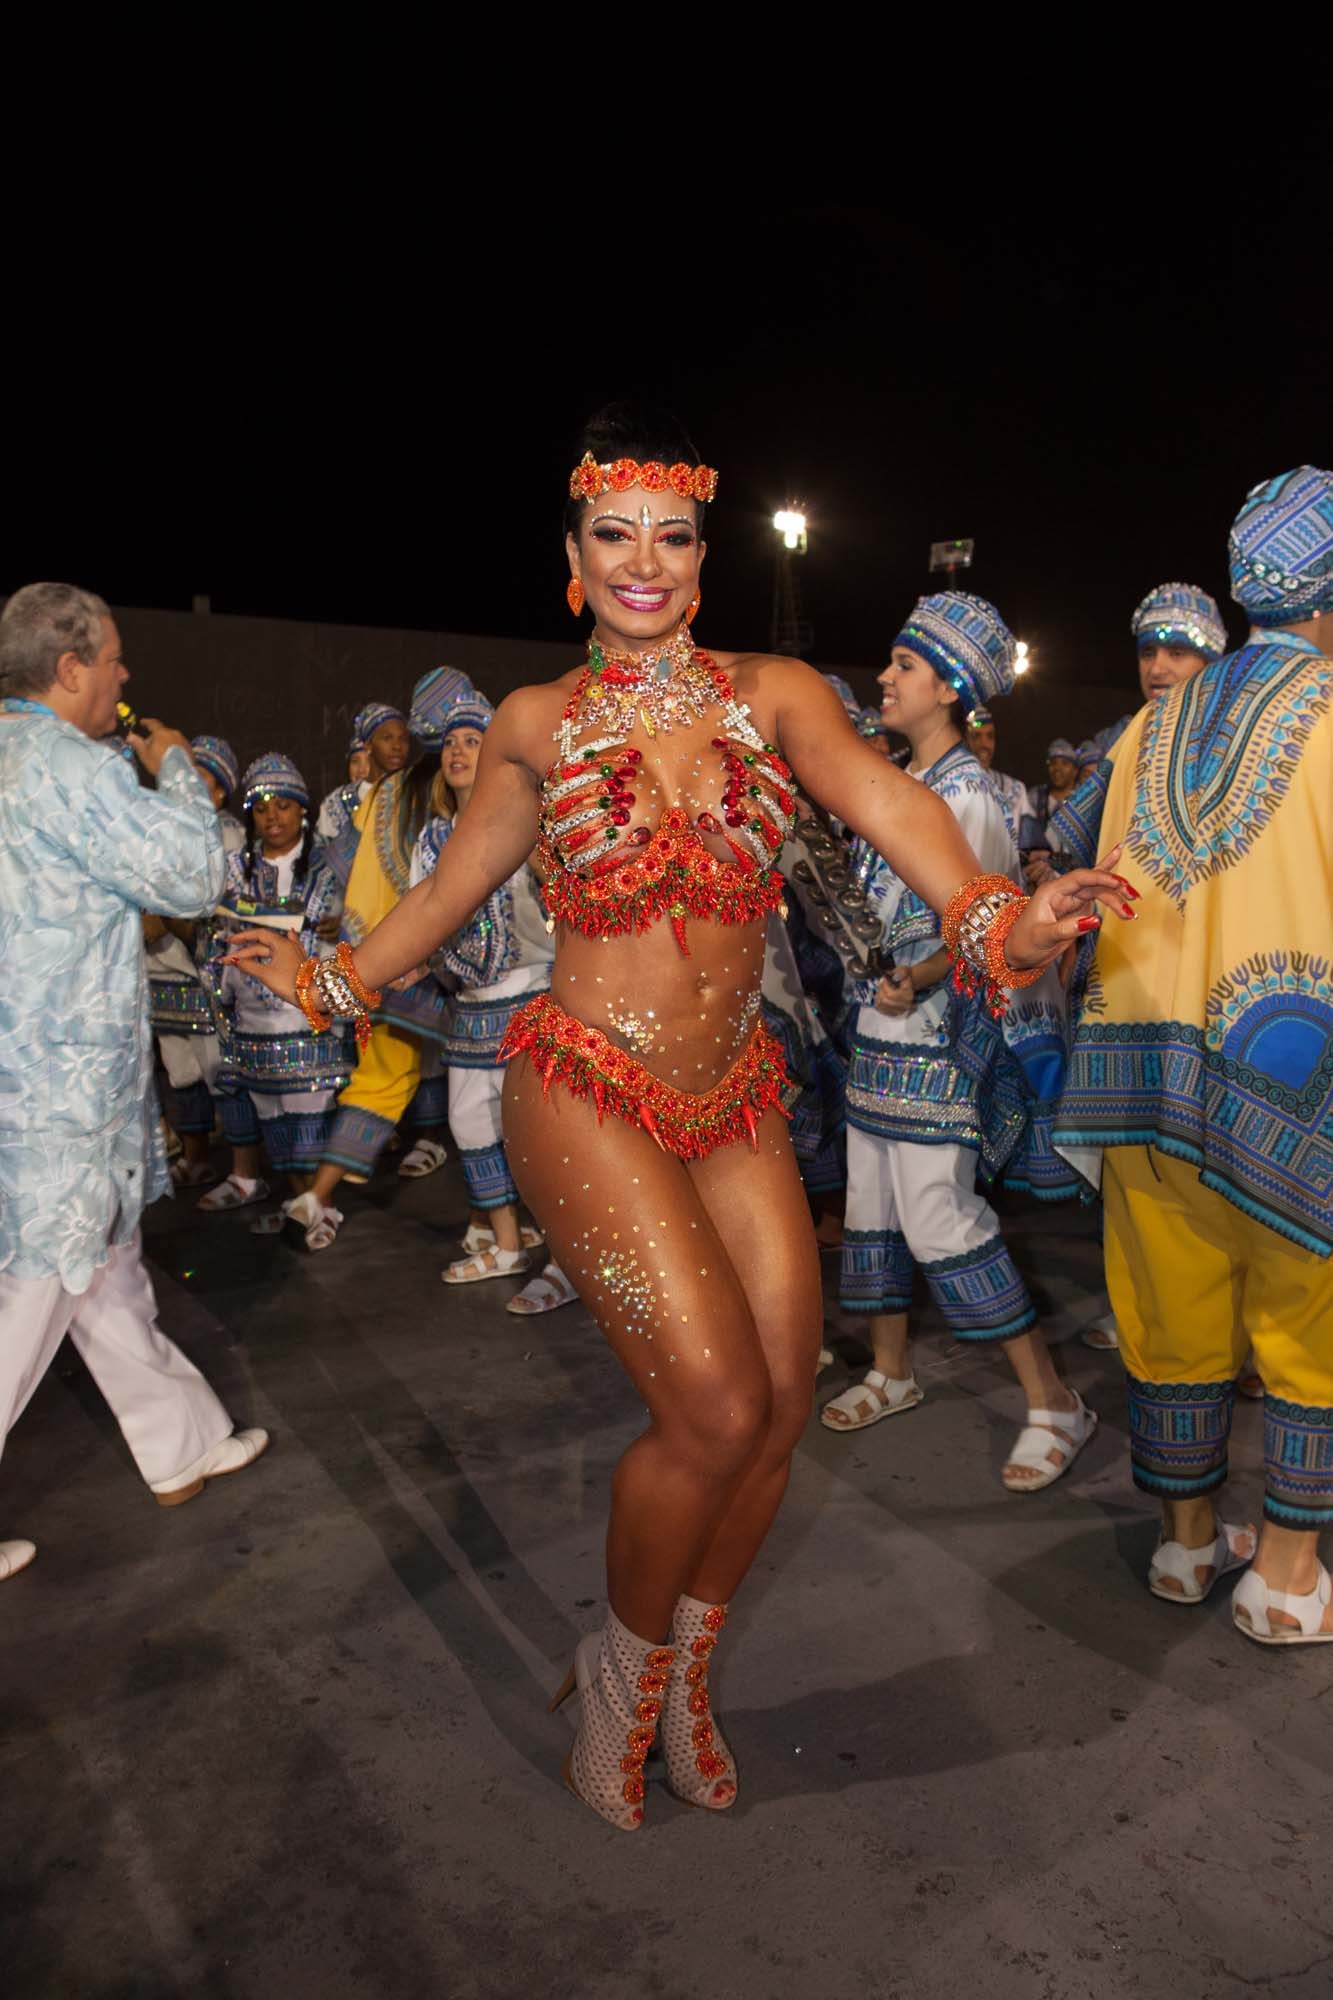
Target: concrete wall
x: 280, y: 684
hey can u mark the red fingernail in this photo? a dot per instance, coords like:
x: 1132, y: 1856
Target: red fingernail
x: 1127, y: 911
x: 1089, y: 923
x: 1128, y: 887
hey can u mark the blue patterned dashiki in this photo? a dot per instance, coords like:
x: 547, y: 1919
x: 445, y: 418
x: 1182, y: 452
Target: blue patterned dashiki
x: 84, y: 848
x: 1207, y: 1027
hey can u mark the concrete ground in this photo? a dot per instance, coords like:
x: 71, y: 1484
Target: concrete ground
x: 291, y: 1739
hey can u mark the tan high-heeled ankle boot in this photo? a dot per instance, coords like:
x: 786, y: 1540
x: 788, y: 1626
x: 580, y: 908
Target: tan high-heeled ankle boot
x: 700, y: 1767
x: 622, y: 1683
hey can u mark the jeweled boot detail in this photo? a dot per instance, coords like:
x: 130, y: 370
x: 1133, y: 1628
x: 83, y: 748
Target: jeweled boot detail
x: 622, y: 1684
x: 700, y: 1767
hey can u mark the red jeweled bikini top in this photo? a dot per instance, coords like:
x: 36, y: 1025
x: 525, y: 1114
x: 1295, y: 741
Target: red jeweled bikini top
x: 604, y: 881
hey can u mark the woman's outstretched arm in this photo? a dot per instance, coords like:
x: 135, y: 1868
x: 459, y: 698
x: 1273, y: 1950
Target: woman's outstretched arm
x: 493, y: 838
x: 908, y: 824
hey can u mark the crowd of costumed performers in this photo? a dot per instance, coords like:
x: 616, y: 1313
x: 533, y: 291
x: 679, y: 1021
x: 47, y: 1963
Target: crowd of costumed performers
x: 629, y: 888
x: 704, y: 969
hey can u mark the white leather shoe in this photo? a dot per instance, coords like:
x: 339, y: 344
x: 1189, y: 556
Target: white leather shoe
x: 15, y: 1556
x: 234, y: 1453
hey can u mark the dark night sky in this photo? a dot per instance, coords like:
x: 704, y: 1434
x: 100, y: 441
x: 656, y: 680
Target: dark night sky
x: 307, y: 315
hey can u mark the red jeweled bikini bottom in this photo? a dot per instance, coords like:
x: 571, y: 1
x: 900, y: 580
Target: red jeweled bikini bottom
x: 684, y: 1122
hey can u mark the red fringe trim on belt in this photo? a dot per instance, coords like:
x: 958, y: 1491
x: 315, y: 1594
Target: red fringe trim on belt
x: 684, y: 1122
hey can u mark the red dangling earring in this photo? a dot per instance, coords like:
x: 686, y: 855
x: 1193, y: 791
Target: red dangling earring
x: 691, y: 609
x: 574, y: 595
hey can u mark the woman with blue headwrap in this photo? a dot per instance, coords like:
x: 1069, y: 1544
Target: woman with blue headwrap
x: 495, y: 963
x: 924, y: 1102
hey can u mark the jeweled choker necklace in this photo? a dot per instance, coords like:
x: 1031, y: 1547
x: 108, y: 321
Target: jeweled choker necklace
x: 669, y: 687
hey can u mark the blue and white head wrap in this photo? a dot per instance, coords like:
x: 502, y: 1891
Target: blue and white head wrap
x: 1180, y: 614
x: 1062, y: 747
x: 1281, y: 548
x: 445, y: 699
x: 274, y: 776
x: 369, y: 719
x: 979, y: 717
x: 967, y: 643
x: 216, y: 755
x: 1087, y: 753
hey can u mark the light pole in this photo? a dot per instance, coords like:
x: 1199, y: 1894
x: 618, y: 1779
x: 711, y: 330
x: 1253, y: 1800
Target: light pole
x: 790, y: 634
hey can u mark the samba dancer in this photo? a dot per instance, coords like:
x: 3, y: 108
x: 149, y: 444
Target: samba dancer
x: 641, y: 1102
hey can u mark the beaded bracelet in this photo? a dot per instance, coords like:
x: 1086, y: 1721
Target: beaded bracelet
x: 326, y: 987
x: 978, y: 920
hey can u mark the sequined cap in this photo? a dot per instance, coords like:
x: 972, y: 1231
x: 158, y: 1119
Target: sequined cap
x: 1281, y: 548
x: 274, y: 775
x: 979, y: 717
x: 370, y: 718
x: 216, y: 755
x: 1062, y: 747
x: 1180, y: 614
x: 966, y: 641
x: 445, y: 699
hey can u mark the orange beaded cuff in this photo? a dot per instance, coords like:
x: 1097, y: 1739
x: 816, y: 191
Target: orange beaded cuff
x: 329, y: 986
x: 975, y: 926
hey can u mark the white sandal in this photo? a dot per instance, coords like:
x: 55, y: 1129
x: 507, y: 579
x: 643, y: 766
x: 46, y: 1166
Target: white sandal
x: 426, y: 1157
x: 889, y: 1397
x: 230, y: 1194
x: 478, y: 1237
x: 475, y: 1270
x: 1252, y: 1600
x: 1035, y: 1443
x: 543, y: 1294
x: 318, y: 1224
x: 1172, y: 1560
x: 1102, y: 1335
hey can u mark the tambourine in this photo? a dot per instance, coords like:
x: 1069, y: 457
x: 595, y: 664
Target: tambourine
x: 839, y: 905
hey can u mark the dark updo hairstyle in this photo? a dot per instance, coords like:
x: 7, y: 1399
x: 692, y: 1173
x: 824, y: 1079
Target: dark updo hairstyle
x: 632, y: 430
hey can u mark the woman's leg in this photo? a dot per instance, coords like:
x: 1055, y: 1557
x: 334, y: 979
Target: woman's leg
x: 758, y: 1206
x: 628, y: 1225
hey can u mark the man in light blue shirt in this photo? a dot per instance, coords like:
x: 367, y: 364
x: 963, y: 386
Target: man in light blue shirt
x: 84, y: 850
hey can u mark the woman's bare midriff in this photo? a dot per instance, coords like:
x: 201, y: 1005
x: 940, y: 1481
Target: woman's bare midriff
x: 685, y: 1019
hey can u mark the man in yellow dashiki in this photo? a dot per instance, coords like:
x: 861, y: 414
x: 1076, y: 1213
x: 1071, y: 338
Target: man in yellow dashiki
x: 1202, y: 1076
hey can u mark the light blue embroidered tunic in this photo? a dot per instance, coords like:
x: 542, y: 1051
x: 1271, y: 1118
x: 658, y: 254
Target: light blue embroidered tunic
x: 84, y: 849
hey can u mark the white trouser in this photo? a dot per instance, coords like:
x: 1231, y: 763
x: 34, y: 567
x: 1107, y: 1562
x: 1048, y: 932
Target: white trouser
x: 166, y: 1410
x: 474, y: 1107
x: 189, y: 1059
x: 929, y: 1193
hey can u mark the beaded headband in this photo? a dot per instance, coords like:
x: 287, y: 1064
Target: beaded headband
x: 688, y: 482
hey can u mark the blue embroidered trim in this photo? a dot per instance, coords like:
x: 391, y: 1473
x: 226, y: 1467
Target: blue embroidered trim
x: 473, y: 1029
x: 294, y: 1140
x: 900, y: 1090
x: 1298, y: 1461
x: 179, y: 1007
x: 486, y: 1171
x: 357, y: 1138
x: 980, y: 1293
x: 1178, y: 1434
x: 1262, y: 1140
x: 875, y: 1274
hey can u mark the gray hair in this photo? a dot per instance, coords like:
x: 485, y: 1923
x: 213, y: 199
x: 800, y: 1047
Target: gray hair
x: 40, y: 622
